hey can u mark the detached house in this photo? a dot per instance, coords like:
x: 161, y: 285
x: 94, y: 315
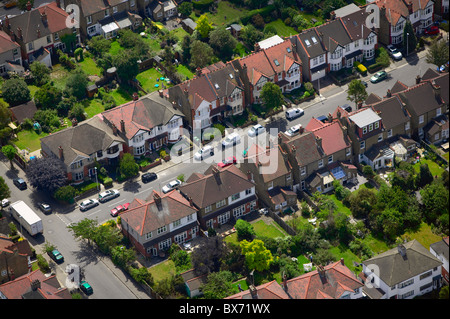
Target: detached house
x: 162, y: 219
x: 79, y: 147
x: 271, y: 172
x: 215, y: 93
x: 145, y: 124
x: 106, y: 17
x: 219, y: 195
x: 162, y: 10
x: 404, y: 272
x: 440, y: 250
x: 39, y: 31
x: 395, y: 13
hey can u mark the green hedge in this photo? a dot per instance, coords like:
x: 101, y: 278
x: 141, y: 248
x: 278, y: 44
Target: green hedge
x: 374, y: 67
x: 264, y: 12
x: 202, y: 5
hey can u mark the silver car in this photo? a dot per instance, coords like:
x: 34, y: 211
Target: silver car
x: 108, y: 195
x: 170, y: 186
x: 88, y: 204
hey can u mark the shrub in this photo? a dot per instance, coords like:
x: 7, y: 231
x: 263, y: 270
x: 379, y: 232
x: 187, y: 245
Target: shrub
x: 374, y: 67
x: 66, y: 193
x: 309, y: 87
x: 43, y: 264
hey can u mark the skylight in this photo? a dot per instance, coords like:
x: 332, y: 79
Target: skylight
x: 231, y: 75
x: 307, y: 43
x: 216, y: 86
x: 288, y: 50
x: 314, y: 40
x: 276, y: 62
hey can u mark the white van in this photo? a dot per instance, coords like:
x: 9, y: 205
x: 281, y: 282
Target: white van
x: 294, y: 113
x: 230, y: 140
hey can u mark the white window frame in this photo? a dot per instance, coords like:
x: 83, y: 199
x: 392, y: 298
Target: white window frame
x: 421, y: 119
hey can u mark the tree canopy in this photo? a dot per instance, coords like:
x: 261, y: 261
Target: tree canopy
x: 46, y: 174
x: 257, y: 256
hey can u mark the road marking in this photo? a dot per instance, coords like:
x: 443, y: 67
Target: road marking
x: 116, y: 202
x: 145, y: 190
x: 97, y: 211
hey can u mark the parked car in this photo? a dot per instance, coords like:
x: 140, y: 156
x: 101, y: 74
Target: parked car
x: 108, y: 195
x: 5, y: 202
x: 347, y: 107
x: 379, y: 76
x: 56, y: 256
x: 86, y: 288
x: 20, y: 183
x: 295, y: 130
x: 433, y: 30
x: 119, y: 209
x: 294, y: 113
x: 148, y: 177
x: 364, y: 83
x: 256, y: 130
x: 45, y: 208
x: 204, y: 152
x: 88, y: 204
x: 227, y: 162
x: 394, y: 52
x: 170, y: 186
x: 231, y: 140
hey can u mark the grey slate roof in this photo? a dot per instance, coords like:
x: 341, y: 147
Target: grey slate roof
x: 392, y: 112
x: 441, y: 248
x: 394, y: 268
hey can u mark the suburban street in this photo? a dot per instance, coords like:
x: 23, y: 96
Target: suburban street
x: 108, y: 281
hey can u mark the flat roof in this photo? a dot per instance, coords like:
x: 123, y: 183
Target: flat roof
x: 364, y: 118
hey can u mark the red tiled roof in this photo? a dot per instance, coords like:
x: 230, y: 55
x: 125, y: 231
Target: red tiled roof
x: 338, y: 279
x: 333, y: 139
x: 270, y: 290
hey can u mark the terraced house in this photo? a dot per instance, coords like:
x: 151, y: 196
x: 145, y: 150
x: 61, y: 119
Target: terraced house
x: 162, y: 219
x: 219, y: 195
x: 10, y: 55
x: 40, y: 31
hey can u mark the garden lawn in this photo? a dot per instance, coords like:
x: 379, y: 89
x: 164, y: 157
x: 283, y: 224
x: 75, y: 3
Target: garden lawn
x: 271, y: 230
x: 89, y: 67
x: 424, y: 236
x: 148, y: 80
x: 59, y: 76
x: 435, y: 169
x: 282, y: 29
x: 243, y: 283
x: 343, y: 251
x: 115, y: 48
x: 163, y: 270
x: 183, y: 70
x: 340, y: 206
x: 29, y: 140
x: 225, y: 15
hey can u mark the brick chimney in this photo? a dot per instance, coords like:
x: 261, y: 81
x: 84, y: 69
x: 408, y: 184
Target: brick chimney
x: 321, y: 271
x: 253, y: 292
x: 44, y: 17
x: 35, y: 284
x: 114, y: 128
x: 58, y: 3
x: 301, y: 129
x: 135, y: 96
x: 418, y: 79
x: 410, y: 7
x: 19, y: 33
x: 198, y: 71
x: 293, y: 149
x: 38, y: 33
x: 342, y: 262
x: 122, y: 126
x: 157, y: 200
x: 60, y: 152
x: 191, y: 203
x: 216, y: 174
x: 161, y: 93
x: 249, y: 175
x: 285, y: 286
x: 319, y: 141
x: 388, y: 93
x: 437, y: 91
x: 6, y: 22
x: 28, y: 6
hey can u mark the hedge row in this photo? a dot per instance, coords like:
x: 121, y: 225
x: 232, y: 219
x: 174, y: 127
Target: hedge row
x: 202, y: 5
x: 264, y: 12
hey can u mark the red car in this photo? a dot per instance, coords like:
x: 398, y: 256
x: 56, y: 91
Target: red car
x: 433, y: 30
x: 228, y: 161
x: 118, y: 209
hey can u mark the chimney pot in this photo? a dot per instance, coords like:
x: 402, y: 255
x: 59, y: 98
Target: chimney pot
x: 61, y: 152
x: 342, y: 261
x: 253, y: 291
x: 122, y: 126
x: 135, y: 96
x: 28, y: 6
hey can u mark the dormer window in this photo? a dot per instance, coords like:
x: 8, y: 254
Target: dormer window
x: 364, y: 130
x: 377, y: 125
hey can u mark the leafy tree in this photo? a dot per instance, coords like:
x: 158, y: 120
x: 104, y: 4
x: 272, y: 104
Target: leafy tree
x: 256, y: 255
x: 41, y: 73
x: 300, y: 22
x: 5, y: 192
x: 185, y: 9
x: 77, y: 111
x: 10, y: 152
x: 403, y: 179
x: 356, y: 92
x: 48, y: 96
x: 218, y: 285
x: 383, y: 57
x: 323, y: 257
x: 209, y: 255
x: 76, y: 84
x: 437, y: 53
x: 256, y: 4
x: 272, y: 96
x: 141, y: 275
x: 22, y: 4
x: 222, y: 42
x: 443, y: 293
x: 84, y: 229
x: 126, y: 64
x: 330, y: 6
x: 15, y: 91
x: 201, y: 54
x: 121, y: 255
x: 435, y: 197
x: 362, y: 203
x: 250, y: 35
x: 424, y: 177
x: 46, y: 174
x: 99, y: 45
x: 133, y: 41
x: 48, y: 119
x: 186, y: 47
x: 391, y: 222
x: 66, y: 193
x: 258, y: 21
x: 244, y: 230
x: 204, y: 26
x: 409, y: 37
x: 128, y: 166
